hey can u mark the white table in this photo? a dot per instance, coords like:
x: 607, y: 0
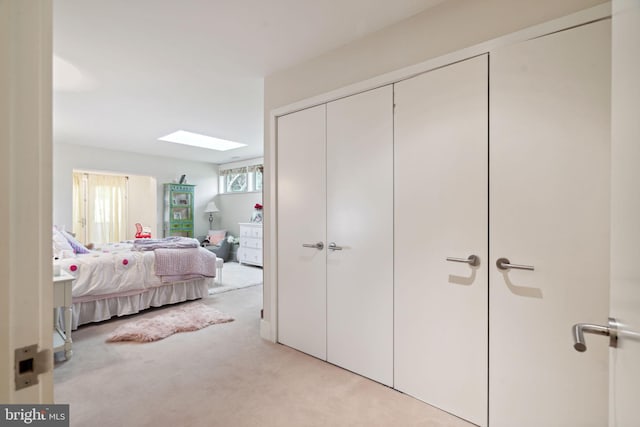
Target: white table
x: 62, y: 300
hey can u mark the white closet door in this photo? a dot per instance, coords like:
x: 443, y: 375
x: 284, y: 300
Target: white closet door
x: 549, y: 192
x: 441, y: 204
x: 360, y: 220
x: 302, y: 220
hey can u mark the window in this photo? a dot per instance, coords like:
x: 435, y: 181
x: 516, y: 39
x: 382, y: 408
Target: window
x: 237, y: 183
x: 241, y: 180
x: 258, y: 179
x: 99, y: 207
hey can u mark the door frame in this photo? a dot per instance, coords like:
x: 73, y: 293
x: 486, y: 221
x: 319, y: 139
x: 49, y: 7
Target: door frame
x: 26, y: 293
x: 268, y: 325
x: 624, y: 375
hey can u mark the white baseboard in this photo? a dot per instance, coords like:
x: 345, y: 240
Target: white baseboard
x: 265, y: 331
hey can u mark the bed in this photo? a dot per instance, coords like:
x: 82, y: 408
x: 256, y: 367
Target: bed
x: 121, y: 278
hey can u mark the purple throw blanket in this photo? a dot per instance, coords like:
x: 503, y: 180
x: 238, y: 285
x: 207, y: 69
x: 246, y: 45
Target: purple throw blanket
x: 173, y: 265
x: 173, y: 242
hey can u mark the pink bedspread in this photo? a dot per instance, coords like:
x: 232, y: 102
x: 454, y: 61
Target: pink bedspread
x: 184, y: 264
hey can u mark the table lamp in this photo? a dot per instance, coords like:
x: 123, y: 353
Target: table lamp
x: 210, y: 209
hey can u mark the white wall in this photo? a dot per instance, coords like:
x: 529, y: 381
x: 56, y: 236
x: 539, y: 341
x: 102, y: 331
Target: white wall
x: 67, y: 157
x: 450, y: 26
x: 234, y: 209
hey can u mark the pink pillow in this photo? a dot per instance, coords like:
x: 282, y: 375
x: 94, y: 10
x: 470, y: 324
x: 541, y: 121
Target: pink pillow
x: 216, y: 236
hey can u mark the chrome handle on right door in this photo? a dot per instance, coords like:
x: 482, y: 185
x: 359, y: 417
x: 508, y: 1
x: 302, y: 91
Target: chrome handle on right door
x: 504, y: 264
x: 334, y: 247
x: 319, y: 246
x: 472, y: 260
x: 580, y: 328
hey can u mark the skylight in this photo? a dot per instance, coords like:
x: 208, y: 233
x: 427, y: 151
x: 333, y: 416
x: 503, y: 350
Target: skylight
x: 202, y: 141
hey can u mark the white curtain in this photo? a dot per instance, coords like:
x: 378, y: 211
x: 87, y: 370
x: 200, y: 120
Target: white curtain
x: 79, y: 207
x: 103, y: 211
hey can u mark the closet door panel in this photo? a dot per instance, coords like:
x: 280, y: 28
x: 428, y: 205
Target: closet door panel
x: 302, y: 220
x: 441, y: 209
x: 360, y: 220
x: 549, y: 187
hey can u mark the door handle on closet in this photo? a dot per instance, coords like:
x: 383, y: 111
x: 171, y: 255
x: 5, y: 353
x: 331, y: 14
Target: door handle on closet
x: 319, y: 246
x: 472, y: 260
x: 580, y: 328
x: 334, y: 247
x: 504, y: 264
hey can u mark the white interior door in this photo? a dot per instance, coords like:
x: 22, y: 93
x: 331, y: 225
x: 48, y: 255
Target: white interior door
x: 360, y: 221
x: 625, y: 212
x: 26, y: 288
x: 441, y: 209
x: 302, y: 294
x: 549, y: 208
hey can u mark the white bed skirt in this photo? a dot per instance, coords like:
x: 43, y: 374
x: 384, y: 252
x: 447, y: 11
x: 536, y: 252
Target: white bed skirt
x: 103, y: 309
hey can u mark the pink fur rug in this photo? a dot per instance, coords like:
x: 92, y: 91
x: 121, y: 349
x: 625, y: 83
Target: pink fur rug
x: 188, y: 317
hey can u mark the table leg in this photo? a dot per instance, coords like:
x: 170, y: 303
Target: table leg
x: 68, y: 352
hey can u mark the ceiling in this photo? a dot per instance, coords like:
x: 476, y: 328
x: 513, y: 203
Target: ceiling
x: 127, y: 72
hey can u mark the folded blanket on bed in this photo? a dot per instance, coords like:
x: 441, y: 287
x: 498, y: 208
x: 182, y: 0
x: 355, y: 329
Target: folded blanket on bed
x: 173, y: 242
x: 183, y: 264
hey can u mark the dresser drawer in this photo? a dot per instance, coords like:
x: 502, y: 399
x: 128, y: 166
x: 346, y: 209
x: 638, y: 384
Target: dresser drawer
x: 251, y: 242
x: 251, y: 230
x: 250, y: 256
x: 181, y: 226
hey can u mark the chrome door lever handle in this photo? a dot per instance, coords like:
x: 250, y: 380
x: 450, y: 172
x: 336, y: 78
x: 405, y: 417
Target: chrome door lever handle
x: 505, y: 264
x: 319, y: 246
x: 472, y: 260
x: 579, y: 330
x: 334, y: 247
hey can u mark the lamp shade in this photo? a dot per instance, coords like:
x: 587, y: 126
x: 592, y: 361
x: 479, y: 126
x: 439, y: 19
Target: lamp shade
x: 211, y: 207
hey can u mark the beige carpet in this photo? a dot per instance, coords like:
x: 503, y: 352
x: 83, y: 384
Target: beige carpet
x: 224, y: 376
x: 236, y: 276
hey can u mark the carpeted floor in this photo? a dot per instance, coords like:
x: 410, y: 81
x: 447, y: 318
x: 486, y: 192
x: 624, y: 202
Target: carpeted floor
x: 236, y: 276
x: 222, y: 375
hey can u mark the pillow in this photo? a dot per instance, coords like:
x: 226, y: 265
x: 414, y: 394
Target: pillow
x: 61, y: 246
x: 216, y: 236
x: 78, y: 247
x: 67, y: 253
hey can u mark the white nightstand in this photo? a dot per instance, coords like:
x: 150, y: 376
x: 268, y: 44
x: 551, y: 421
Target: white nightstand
x: 62, y: 300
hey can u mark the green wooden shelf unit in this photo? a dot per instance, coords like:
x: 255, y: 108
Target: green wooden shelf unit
x: 178, y: 209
